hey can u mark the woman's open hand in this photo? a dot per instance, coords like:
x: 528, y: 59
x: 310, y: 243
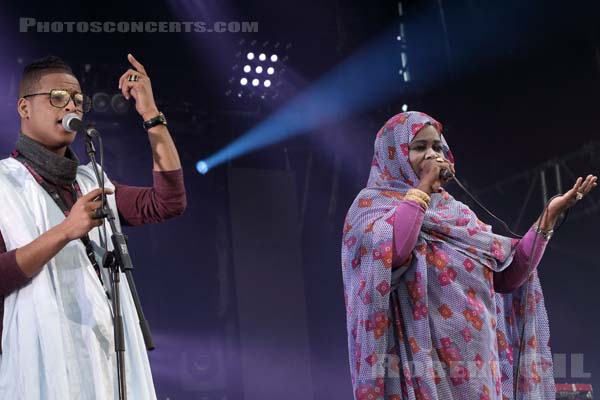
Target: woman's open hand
x: 578, y: 191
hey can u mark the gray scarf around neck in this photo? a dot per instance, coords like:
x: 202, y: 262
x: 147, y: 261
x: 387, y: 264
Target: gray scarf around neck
x: 52, y: 167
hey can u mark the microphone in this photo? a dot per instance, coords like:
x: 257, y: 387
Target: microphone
x: 73, y: 123
x: 446, y: 174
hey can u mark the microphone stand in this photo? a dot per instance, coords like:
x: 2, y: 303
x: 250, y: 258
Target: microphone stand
x: 117, y: 261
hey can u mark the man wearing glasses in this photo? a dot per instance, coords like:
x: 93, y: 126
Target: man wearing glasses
x: 55, y: 312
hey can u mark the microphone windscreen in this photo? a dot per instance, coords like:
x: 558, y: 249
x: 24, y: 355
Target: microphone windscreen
x: 71, y: 122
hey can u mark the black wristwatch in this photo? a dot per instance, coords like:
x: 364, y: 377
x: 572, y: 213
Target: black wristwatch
x: 158, y: 120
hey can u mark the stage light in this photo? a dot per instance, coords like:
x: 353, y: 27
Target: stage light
x: 401, y: 37
x: 100, y: 102
x: 119, y: 104
x: 403, y: 59
x: 404, y: 107
x: 202, y: 167
x: 260, y: 58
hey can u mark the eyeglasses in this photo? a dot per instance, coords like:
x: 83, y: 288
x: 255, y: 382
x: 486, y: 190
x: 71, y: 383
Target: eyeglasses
x: 59, y: 98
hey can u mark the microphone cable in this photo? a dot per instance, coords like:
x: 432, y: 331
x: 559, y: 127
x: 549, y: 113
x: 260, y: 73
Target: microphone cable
x: 516, y: 377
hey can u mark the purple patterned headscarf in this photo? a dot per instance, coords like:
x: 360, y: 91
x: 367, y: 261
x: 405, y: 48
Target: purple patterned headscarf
x: 434, y: 329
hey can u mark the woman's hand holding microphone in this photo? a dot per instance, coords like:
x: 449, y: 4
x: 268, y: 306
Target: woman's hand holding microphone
x: 435, y: 172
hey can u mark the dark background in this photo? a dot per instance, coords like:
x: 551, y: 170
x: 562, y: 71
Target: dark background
x: 514, y: 83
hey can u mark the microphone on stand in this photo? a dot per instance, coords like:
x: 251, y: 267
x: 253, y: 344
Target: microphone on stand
x: 73, y: 123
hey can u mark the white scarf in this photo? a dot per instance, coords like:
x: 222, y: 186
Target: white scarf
x: 58, y: 332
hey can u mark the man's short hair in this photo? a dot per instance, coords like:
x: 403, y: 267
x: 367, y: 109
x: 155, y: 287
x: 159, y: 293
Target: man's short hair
x: 33, y: 72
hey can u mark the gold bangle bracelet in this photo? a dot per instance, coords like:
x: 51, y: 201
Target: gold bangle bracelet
x: 417, y: 200
x: 420, y: 194
x: 413, y: 197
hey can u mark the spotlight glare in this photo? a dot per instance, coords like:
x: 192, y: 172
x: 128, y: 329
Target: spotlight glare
x: 404, y: 107
x: 259, y: 69
x: 267, y: 83
x: 274, y: 58
x: 250, y: 56
x: 262, y: 57
x: 202, y: 167
x: 243, y: 81
x: 247, y: 68
x: 255, y: 82
x: 270, y: 70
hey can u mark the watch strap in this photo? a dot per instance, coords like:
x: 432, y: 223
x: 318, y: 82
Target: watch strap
x: 158, y: 120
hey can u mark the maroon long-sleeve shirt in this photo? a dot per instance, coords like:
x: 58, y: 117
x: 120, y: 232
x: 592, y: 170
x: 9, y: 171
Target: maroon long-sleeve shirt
x: 136, y: 206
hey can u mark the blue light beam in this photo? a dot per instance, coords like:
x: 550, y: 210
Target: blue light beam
x: 368, y: 78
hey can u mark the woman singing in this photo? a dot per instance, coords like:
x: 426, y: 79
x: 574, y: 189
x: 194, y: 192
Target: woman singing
x: 435, y: 300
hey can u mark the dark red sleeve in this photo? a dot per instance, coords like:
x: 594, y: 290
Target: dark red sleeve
x: 147, y: 205
x: 11, y: 275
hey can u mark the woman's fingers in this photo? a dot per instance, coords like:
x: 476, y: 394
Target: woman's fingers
x: 576, y: 186
x: 591, y: 182
x: 587, y: 185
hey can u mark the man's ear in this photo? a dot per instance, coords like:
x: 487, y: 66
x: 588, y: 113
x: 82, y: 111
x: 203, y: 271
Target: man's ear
x: 23, y: 108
